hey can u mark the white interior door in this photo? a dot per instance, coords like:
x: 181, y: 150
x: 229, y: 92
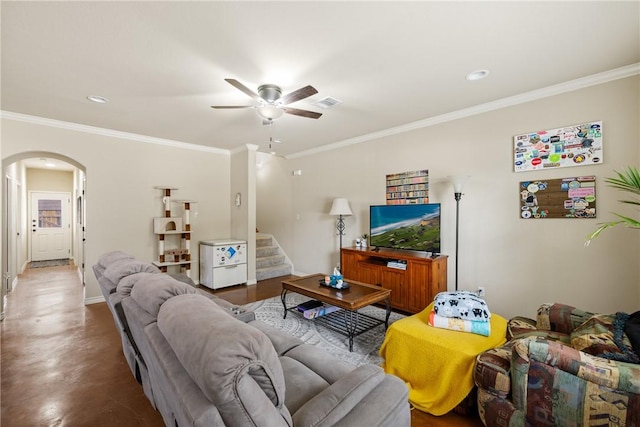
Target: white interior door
x: 50, y: 226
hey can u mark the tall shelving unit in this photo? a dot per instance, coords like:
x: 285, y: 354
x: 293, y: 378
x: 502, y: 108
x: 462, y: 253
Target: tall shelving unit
x: 171, y: 251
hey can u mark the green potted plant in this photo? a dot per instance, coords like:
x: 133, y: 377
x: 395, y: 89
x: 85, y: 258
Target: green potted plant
x: 628, y: 180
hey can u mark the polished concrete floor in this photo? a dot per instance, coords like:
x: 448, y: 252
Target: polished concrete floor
x: 62, y: 362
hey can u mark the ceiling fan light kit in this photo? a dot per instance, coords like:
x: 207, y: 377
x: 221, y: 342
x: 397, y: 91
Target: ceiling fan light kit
x: 272, y: 104
x: 269, y: 112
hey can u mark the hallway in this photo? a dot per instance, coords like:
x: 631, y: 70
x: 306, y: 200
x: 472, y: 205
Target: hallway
x: 62, y: 361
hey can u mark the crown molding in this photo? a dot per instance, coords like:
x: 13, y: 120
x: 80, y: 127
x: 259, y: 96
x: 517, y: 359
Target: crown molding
x: 246, y: 147
x: 572, y: 85
x: 9, y: 115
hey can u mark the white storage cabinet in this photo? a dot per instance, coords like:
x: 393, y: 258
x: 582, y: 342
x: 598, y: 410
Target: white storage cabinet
x: 223, y: 262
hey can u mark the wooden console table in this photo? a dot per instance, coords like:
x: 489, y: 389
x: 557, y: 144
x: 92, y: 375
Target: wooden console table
x: 412, y: 288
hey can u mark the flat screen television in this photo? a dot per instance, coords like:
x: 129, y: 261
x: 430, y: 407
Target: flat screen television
x: 408, y: 227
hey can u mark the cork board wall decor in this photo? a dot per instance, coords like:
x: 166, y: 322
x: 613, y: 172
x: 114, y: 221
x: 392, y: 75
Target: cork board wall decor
x: 573, y: 197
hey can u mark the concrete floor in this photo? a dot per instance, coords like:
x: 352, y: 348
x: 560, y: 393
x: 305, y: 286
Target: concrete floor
x: 62, y: 362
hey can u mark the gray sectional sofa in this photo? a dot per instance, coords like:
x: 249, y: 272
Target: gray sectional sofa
x: 203, y: 362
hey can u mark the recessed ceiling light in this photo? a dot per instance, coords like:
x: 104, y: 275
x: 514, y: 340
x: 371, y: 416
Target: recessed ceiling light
x: 98, y: 99
x: 477, y: 75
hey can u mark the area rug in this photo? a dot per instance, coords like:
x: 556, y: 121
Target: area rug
x: 365, y: 346
x: 48, y: 263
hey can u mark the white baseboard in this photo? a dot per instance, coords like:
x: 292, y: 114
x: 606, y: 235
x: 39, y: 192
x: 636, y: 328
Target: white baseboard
x: 300, y: 273
x: 94, y: 300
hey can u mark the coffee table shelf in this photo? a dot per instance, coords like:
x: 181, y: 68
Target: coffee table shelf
x: 347, y: 321
x: 336, y: 321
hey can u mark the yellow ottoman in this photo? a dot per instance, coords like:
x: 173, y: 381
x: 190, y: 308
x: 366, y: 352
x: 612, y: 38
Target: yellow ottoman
x: 437, y: 364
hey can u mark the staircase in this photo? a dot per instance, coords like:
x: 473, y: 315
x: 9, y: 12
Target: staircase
x: 270, y: 260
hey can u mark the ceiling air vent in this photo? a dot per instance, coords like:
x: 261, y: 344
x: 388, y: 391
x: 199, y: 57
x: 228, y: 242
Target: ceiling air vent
x: 327, y: 102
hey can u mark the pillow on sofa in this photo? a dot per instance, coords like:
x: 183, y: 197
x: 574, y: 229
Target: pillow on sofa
x: 122, y: 268
x: 603, y: 336
x: 561, y: 318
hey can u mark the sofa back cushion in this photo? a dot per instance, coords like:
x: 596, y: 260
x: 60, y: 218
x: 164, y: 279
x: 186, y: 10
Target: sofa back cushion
x: 603, y: 336
x: 126, y: 283
x: 109, y: 258
x: 125, y: 267
x: 153, y: 290
x: 233, y: 363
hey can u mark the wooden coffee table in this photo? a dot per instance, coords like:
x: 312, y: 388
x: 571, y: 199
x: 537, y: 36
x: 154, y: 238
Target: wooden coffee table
x: 347, y: 321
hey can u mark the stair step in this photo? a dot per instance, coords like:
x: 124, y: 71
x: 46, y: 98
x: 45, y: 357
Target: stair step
x: 269, y: 261
x: 273, y: 271
x: 263, y: 241
x: 266, y: 251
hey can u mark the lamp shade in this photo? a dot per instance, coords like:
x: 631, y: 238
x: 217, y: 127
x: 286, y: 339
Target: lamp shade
x: 458, y: 182
x: 340, y: 207
x: 269, y: 112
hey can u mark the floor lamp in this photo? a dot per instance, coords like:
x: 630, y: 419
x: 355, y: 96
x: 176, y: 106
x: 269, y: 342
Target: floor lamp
x: 458, y: 183
x: 340, y: 208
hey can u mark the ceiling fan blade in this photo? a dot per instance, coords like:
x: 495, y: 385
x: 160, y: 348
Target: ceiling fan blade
x: 243, y: 88
x: 231, y: 106
x: 297, y: 95
x: 303, y: 113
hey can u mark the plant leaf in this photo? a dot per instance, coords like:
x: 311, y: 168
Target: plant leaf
x: 629, y: 181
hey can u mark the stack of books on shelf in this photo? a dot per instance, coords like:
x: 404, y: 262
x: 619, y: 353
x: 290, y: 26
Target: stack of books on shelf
x: 400, y: 264
x: 312, y: 309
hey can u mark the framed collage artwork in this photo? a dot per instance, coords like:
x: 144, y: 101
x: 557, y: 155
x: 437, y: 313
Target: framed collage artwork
x: 575, y: 145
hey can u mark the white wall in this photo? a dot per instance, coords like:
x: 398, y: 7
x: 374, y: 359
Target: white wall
x: 274, y: 192
x: 521, y: 263
x: 121, y: 201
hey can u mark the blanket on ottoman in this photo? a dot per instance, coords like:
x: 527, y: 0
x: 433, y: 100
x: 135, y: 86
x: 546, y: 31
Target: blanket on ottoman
x: 437, y: 364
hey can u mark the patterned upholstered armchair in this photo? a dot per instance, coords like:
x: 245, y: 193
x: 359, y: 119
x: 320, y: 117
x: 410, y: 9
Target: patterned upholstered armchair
x: 568, y: 367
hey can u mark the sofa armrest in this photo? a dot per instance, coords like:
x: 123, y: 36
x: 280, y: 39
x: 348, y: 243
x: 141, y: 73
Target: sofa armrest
x: 492, y: 371
x: 332, y: 404
x: 519, y: 325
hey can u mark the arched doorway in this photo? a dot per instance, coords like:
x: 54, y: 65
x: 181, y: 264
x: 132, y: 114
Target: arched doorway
x: 15, y: 225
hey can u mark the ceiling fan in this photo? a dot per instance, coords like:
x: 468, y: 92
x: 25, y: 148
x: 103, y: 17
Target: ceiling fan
x: 271, y: 102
